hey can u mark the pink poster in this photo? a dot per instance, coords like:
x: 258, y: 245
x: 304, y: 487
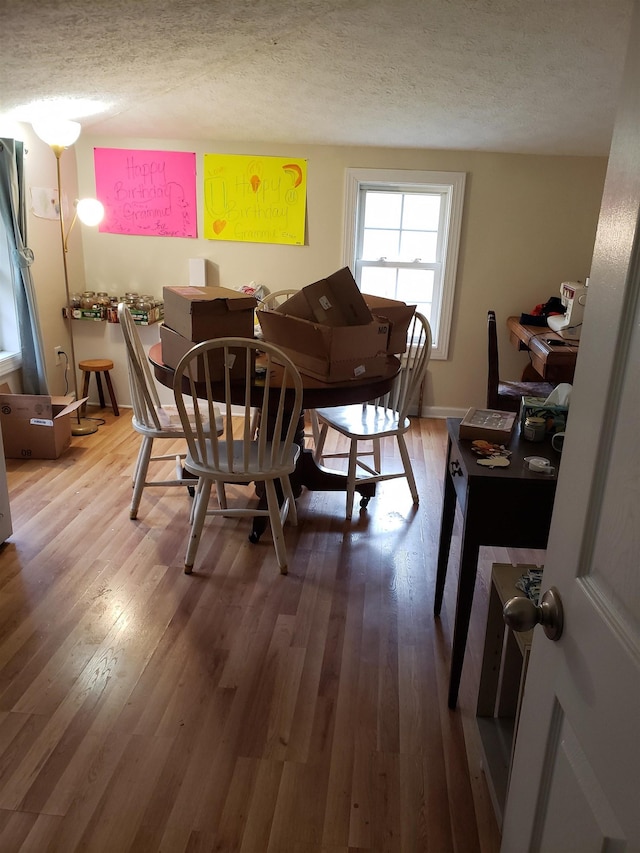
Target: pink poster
x: 151, y: 193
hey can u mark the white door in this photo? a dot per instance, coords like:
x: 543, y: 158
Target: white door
x: 575, y: 782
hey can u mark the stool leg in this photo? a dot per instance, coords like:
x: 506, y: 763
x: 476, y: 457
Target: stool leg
x: 100, y: 391
x: 114, y: 405
x: 85, y: 391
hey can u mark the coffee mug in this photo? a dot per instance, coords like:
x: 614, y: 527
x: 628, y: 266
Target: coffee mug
x: 557, y: 441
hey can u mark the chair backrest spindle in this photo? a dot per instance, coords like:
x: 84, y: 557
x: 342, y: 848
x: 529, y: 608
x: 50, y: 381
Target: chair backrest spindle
x: 493, y: 375
x: 414, y: 364
x: 237, y: 451
x: 144, y: 394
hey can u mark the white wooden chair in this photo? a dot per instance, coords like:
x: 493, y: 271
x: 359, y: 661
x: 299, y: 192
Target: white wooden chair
x: 268, y: 457
x: 381, y: 418
x: 151, y: 419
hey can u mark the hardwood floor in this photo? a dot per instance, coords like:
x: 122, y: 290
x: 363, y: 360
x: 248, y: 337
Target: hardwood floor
x: 234, y: 709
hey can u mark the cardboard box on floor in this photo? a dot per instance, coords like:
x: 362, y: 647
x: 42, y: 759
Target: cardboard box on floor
x: 328, y: 331
x: 174, y: 346
x: 202, y: 313
x: 35, y: 426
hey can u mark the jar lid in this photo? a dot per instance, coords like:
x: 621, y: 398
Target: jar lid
x: 533, y: 421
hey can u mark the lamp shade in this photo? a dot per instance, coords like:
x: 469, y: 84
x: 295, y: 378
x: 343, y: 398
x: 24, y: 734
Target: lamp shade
x: 57, y: 131
x: 90, y: 211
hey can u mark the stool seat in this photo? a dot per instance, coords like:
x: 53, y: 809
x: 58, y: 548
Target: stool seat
x: 98, y: 366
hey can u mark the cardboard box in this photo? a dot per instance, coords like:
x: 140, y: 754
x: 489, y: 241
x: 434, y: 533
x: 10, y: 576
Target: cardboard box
x: 332, y: 354
x: 397, y: 314
x: 332, y: 301
x: 35, y: 426
x: 202, y: 313
x: 488, y: 424
x: 555, y: 416
x: 174, y: 346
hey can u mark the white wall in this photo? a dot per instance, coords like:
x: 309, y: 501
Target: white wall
x: 529, y: 224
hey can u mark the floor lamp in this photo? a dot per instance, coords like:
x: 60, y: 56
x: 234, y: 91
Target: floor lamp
x: 60, y: 134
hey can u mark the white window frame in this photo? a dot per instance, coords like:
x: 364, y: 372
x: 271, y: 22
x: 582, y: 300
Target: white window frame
x: 451, y: 186
x: 10, y: 352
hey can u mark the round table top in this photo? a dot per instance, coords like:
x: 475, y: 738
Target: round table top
x: 316, y: 393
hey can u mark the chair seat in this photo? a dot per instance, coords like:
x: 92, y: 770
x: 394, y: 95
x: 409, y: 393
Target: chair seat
x: 510, y: 394
x: 239, y: 458
x: 363, y: 422
x: 525, y: 389
x: 241, y: 473
x: 95, y: 364
x: 387, y: 417
x: 150, y: 419
x: 170, y: 423
x: 98, y: 366
x: 506, y: 395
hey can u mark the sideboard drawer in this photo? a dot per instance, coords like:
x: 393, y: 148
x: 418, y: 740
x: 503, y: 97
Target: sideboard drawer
x: 458, y: 474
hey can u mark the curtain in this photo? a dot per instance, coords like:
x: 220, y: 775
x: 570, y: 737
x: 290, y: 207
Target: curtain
x: 14, y: 219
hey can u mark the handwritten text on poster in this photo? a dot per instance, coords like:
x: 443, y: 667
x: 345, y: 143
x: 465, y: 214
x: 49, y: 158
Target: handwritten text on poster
x: 147, y: 192
x: 254, y: 199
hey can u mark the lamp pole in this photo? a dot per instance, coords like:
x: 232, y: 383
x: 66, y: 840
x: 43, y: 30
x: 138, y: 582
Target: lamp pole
x: 58, y: 135
x: 81, y: 426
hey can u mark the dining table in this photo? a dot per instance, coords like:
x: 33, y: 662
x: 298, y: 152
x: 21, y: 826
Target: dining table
x: 315, y: 394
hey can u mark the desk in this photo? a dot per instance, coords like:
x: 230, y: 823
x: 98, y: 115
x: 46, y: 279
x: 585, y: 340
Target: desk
x: 507, y: 507
x: 555, y: 364
x: 316, y: 394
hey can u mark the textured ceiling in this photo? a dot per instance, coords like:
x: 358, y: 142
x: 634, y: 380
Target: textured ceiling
x: 530, y: 76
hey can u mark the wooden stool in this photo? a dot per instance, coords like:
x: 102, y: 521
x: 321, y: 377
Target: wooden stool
x: 98, y: 366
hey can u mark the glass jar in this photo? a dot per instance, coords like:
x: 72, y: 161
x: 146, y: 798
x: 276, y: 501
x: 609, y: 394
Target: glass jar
x: 534, y: 429
x: 112, y: 310
x: 103, y: 302
x: 88, y: 300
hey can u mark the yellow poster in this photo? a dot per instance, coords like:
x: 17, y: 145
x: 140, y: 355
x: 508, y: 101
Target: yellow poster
x: 254, y: 199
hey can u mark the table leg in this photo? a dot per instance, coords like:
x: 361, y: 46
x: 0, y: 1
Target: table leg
x: 310, y: 475
x: 446, y: 530
x: 466, y: 587
x: 100, y: 391
x: 259, y: 524
x: 317, y: 478
x: 85, y: 392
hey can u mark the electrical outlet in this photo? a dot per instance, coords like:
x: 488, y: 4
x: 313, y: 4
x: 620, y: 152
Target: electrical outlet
x: 58, y: 351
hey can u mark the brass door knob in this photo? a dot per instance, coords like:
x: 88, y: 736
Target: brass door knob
x: 521, y: 614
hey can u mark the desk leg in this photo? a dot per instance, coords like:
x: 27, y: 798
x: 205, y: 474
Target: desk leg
x: 466, y: 587
x: 446, y: 530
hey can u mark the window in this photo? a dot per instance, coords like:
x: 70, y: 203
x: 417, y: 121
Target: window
x: 10, y: 356
x: 402, y: 238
